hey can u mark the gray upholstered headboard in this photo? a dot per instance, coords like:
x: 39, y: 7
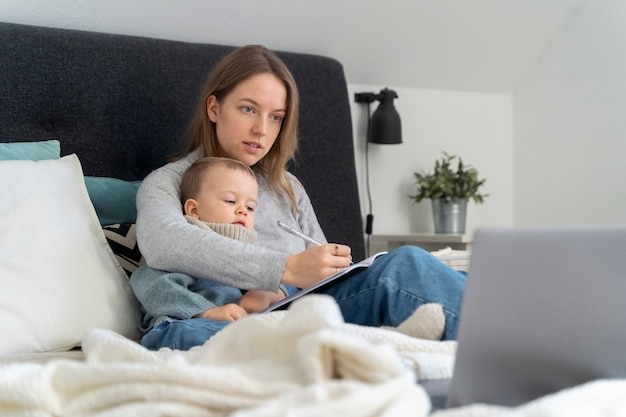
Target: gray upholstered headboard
x: 121, y: 103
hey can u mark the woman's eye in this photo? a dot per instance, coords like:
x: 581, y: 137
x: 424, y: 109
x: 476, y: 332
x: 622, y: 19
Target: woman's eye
x: 277, y: 118
x: 247, y: 109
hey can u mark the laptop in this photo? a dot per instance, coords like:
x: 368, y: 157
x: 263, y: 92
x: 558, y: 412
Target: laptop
x: 544, y: 310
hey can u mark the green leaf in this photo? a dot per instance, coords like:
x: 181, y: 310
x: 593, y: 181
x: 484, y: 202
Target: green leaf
x: 449, y: 184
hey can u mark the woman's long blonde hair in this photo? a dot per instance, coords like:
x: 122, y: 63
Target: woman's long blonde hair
x: 234, y: 68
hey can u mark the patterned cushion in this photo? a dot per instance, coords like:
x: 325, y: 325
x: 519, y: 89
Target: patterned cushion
x: 123, y: 241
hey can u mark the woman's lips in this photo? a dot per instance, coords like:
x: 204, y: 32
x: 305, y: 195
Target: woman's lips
x: 255, y: 147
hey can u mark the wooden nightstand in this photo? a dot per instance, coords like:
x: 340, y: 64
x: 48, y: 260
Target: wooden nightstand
x: 427, y: 241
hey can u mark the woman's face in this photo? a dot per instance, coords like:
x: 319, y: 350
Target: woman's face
x: 249, y: 118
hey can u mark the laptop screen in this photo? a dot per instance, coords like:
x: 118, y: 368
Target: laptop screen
x: 543, y: 310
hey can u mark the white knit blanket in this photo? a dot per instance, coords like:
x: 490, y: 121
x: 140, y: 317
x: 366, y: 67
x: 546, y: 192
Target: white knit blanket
x: 602, y: 398
x: 303, y: 362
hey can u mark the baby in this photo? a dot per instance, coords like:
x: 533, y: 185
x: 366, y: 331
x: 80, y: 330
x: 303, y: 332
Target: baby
x: 220, y: 194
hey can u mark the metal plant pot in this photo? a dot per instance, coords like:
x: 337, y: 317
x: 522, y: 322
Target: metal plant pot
x: 449, y: 217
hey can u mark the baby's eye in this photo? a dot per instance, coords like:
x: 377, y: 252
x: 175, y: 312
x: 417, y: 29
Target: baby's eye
x: 251, y: 209
x: 229, y: 201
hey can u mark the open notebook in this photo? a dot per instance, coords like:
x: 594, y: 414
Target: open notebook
x: 326, y: 282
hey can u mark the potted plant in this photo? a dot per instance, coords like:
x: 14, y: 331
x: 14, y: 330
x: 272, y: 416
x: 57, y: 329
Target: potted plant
x: 449, y: 189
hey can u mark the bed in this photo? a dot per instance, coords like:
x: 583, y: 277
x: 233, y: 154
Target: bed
x: 95, y: 112
x: 84, y: 117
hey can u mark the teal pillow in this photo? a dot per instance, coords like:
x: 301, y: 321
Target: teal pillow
x: 34, y: 151
x: 113, y: 199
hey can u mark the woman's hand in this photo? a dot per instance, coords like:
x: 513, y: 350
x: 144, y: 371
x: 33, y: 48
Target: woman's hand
x: 316, y: 263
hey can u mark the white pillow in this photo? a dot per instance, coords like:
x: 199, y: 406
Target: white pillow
x: 58, y: 275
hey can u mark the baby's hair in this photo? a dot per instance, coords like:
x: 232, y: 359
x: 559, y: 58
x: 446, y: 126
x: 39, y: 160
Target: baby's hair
x: 192, y: 178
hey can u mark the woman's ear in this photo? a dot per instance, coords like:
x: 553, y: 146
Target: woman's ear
x: 212, y: 107
x: 191, y: 208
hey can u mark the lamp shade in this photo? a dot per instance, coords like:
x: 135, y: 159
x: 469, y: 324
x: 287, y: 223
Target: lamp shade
x: 385, y: 128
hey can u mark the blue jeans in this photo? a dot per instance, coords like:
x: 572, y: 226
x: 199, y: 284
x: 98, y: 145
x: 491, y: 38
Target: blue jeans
x: 385, y: 294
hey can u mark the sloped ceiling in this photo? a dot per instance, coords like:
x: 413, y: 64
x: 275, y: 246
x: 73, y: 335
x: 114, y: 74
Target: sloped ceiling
x: 465, y: 45
x: 474, y: 45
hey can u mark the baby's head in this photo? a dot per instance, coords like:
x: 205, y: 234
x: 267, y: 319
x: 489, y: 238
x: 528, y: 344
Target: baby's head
x: 220, y: 190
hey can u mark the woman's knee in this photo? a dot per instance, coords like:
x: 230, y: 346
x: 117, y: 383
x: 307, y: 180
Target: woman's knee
x: 408, y: 262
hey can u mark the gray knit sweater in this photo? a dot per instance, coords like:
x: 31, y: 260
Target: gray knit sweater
x: 165, y: 295
x: 168, y: 242
x: 233, y: 231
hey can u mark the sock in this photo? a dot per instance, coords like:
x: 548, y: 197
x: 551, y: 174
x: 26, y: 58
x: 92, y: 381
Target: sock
x: 427, y: 322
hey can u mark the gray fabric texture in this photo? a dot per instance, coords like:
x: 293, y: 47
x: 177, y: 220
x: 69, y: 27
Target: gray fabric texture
x: 170, y: 243
x: 233, y: 231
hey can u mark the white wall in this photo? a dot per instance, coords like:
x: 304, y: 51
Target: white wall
x: 551, y: 153
x: 476, y: 126
x: 570, y: 124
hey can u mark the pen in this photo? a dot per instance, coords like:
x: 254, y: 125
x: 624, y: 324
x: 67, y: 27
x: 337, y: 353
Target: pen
x: 297, y: 233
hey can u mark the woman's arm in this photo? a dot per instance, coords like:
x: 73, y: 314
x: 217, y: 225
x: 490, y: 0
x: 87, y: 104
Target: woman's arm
x: 317, y: 262
x: 168, y: 242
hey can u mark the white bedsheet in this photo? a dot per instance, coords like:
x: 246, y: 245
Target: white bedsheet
x: 303, y: 362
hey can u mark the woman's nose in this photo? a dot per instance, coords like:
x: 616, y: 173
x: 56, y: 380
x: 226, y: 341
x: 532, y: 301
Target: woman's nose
x: 260, y: 127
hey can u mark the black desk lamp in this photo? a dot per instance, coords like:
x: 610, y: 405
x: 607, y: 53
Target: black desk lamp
x: 384, y: 128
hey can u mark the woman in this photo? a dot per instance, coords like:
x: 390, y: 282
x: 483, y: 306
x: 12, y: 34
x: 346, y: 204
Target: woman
x: 248, y: 111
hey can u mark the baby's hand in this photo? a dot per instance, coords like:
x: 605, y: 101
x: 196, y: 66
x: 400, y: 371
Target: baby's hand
x: 227, y: 312
x: 254, y: 301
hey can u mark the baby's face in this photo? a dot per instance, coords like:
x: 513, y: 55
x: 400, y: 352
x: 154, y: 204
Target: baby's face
x: 228, y: 196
